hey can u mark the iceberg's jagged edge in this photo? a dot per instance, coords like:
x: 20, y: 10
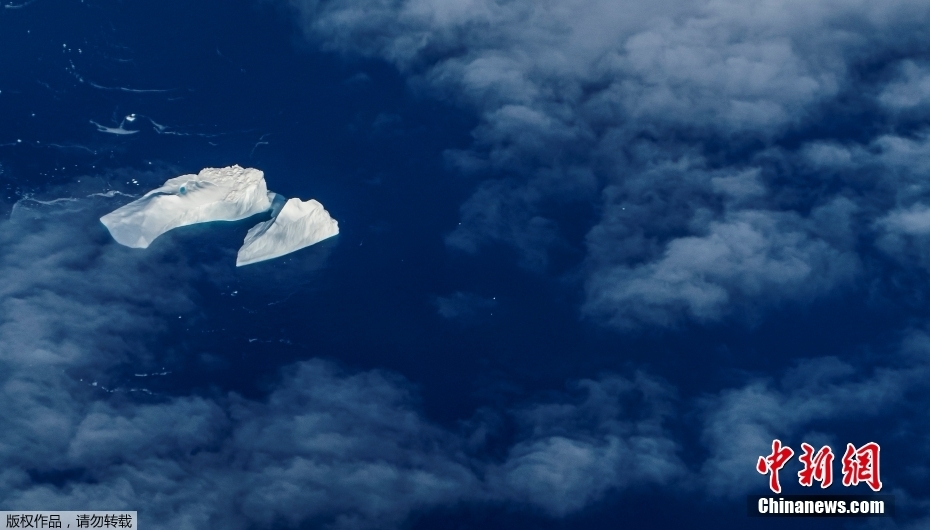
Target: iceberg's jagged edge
x: 297, y: 225
x: 215, y: 194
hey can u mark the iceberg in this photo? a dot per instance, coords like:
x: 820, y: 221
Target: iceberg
x: 214, y: 194
x: 223, y: 194
x: 298, y: 224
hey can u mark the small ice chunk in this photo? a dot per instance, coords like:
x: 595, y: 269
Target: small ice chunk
x: 215, y: 194
x: 114, y: 130
x: 299, y: 224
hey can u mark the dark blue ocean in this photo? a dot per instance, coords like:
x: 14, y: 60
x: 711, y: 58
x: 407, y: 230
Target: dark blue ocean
x: 470, y: 337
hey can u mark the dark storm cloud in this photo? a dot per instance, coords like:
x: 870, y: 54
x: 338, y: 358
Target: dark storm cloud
x: 669, y: 119
x: 334, y: 449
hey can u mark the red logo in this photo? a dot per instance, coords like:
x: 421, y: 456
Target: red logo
x: 817, y: 467
x: 773, y: 463
x: 859, y: 465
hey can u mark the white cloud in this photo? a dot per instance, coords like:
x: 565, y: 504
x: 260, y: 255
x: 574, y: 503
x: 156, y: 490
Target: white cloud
x: 577, y: 453
x: 593, y: 96
x: 740, y: 423
x: 748, y: 255
x: 351, y: 450
x: 910, y: 91
x: 324, y: 447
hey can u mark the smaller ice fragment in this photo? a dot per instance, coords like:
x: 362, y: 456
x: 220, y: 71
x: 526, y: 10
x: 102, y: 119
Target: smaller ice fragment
x: 298, y: 224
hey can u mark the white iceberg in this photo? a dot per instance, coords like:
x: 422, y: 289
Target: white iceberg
x: 223, y: 194
x: 297, y: 225
x: 214, y: 194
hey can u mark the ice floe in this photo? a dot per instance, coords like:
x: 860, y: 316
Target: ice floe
x: 299, y: 224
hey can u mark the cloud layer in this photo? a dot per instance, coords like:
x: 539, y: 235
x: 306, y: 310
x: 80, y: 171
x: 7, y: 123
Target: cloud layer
x: 688, y: 126
x: 333, y: 449
x: 735, y: 155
